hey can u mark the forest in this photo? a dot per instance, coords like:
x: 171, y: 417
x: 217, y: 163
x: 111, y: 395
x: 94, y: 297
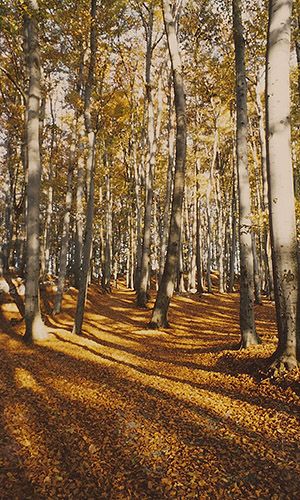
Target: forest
x: 149, y: 249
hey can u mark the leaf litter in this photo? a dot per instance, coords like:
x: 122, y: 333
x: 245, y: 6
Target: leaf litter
x: 122, y: 412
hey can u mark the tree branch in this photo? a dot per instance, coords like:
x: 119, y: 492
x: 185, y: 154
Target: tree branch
x: 14, y: 83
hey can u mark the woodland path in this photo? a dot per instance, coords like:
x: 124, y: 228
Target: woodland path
x: 123, y: 412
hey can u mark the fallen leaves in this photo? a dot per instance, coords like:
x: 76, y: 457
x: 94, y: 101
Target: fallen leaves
x: 120, y: 413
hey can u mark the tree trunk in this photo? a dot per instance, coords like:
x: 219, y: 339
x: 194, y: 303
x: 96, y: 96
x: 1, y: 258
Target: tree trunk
x: 106, y: 271
x: 256, y: 271
x: 46, y: 253
x: 137, y: 191
x: 200, y: 288
x: 65, y: 234
x: 87, y: 248
x: 142, y: 295
x: 193, y: 244
x: 247, y: 322
x: 298, y: 46
x: 35, y: 328
x: 281, y: 189
x: 166, y: 287
x: 166, y: 216
x: 220, y: 235
x: 79, y: 220
x: 265, y: 202
x: 233, y: 232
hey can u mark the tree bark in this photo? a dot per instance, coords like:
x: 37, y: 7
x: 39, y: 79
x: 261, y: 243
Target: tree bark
x: 247, y: 322
x: 209, y: 190
x: 138, y: 210
x: 265, y: 203
x: 193, y: 243
x: 35, y: 328
x: 166, y: 287
x: 281, y: 189
x: 220, y: 234
x: 199, y: 265
x: 233, y: 245
x: 256, y: 271
x: 166, y: 216
x: 142, y: 295
x: 87, y: 247
x: 45, y: 265
x: 107, y: 269
x: 297, y: 43
x: 65, y: 233
x: 79, y: 220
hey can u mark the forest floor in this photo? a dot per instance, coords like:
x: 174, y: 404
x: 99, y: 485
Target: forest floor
x: 123, y: 412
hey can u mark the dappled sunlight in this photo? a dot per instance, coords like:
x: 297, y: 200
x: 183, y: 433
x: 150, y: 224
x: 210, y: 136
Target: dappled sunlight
x: 24, y: 379
x: 126, y: 412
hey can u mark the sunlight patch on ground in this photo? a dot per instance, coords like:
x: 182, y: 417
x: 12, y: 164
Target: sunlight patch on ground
x: 24, y: 379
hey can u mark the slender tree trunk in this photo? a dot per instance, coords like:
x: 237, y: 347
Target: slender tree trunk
x: 35, y: 328
x: 297, y: 43
x: 107, y: 269
x: 193, y: 244
x: 247, y: 322
x: 265, y: 201
x: 142, y: 295
x: 87, y: 248
x: 166, y: 287
x: 9, y: 209
x: 209, y: 214
x: 200, y: 287
x: 130, y: 254
x: 166, y: 216
x: 258, y: 206
x: 220, y: 235
x: 155, y: 238
x: 281, y: 189
x: 233, y: 231
x: 46, y: 253
x: 65, y: 234
x: 47, y: 233
x: 256, y: 272
x: 137, y: 185
x: 180, y: 284
x: 79, y: 221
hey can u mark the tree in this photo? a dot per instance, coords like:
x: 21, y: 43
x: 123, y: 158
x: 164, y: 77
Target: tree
x: 142, y: 297
x: 280, y: 178
x: 35, y: 328
x: 87, y: 247
x: 166, y: 287
x: 247, y: 323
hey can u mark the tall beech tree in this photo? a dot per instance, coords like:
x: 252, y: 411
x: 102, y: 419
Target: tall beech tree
x: 65, y: 233
x: 247, y: 322
x: 35, y: 328
x: 280, y: 177
x: 167, y: 283
x: 90, y: 164
x: 142, y: 297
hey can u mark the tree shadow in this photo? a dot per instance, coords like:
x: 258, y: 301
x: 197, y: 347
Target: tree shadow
x: 94, y: 433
